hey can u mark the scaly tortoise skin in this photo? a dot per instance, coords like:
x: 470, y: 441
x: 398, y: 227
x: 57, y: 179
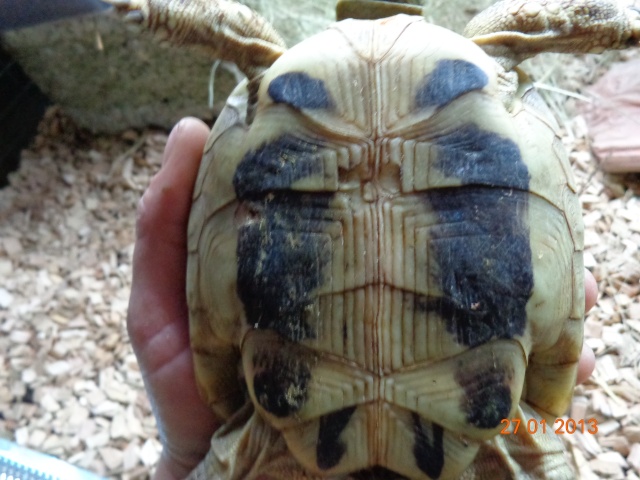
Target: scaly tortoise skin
x: 385, y: 244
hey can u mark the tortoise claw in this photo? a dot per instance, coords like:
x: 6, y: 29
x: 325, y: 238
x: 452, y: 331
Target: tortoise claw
x: 126, y: 5
x: 118, y: 3
x: 135, y: 16
x: 134, y: 10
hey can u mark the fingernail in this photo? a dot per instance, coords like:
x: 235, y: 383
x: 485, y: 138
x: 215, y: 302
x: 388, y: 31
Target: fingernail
x: 175, y: 132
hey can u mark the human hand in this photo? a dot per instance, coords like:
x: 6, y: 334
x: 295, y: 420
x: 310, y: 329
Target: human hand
x: 158, y: 315
x: 588, y: 358
x: 158, y: 319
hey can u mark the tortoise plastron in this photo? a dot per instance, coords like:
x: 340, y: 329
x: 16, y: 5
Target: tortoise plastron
x: 385, y: 243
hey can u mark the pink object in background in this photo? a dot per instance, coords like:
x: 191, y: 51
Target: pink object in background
x: 614, y: 118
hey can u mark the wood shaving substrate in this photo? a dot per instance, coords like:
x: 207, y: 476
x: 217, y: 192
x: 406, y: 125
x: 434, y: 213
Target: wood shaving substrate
x: 70, y: 385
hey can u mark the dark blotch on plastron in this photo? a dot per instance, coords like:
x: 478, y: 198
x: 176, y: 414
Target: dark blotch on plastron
x: 481, y: 247
x: 281, y: 253
x: 487, y: 398
x: 276, y: 166
x: 282, y: 257
x: 330, y: 449
x: 377, y: 473
x: 281, y: 387
x: 428, y: 448
x: 478, y: 157
x: 449, y: 80
x: 481, y: 242
x: 300, y: 90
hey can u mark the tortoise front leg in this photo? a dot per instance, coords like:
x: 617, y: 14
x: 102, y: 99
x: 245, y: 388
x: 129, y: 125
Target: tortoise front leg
x: 514, y: 30
x: 227, y: 30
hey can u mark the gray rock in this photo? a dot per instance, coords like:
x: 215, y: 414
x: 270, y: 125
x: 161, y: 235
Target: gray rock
x: 110, y: 76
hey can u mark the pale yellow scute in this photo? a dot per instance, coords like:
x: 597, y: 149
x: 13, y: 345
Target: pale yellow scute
x: 395, y: 439
x: 369, y: 98
x: 556, y: 307
x: 211, y: 267
x: 552, y: 257
x: 443, y: 398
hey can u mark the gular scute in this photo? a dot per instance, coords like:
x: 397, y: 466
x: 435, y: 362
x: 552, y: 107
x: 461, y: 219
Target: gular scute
x: 330, y: 449
x: 281, y: 387
x: 282, y: 255
x: 428, y: 449
x: 481, y: 247
x: 300, y: 91
x: 276, y: 165
x: 488, y: 394
x: 449, y: 80
x: 476, y: 156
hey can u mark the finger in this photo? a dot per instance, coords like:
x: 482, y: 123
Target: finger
x: 587, y: 361
x: 591, y: 290
x: 158, y: 315
x: 157, y: 297
x: 586, y: 365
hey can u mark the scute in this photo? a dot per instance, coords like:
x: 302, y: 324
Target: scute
x: 448, y: 80
x: 299, y: 90
x: 487, y: 398
x: 277, y: 287
x: 428, y: 449
x: 330, y: 449
x: 403, y: 252
x: 479, y: 157
x: 276, y: 165
x: 481, y: 246
x: 280, y: 383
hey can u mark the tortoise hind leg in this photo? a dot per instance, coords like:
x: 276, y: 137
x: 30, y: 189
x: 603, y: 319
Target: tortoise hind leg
x: 248, y: 448
x: 538, y: 455
x: 514, y: 30
x: 551, y: 374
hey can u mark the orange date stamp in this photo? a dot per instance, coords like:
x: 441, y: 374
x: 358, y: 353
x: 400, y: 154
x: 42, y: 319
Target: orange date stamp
x: 561, y: 426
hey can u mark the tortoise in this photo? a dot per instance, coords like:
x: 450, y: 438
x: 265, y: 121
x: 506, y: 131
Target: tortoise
x: 385, y: 243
